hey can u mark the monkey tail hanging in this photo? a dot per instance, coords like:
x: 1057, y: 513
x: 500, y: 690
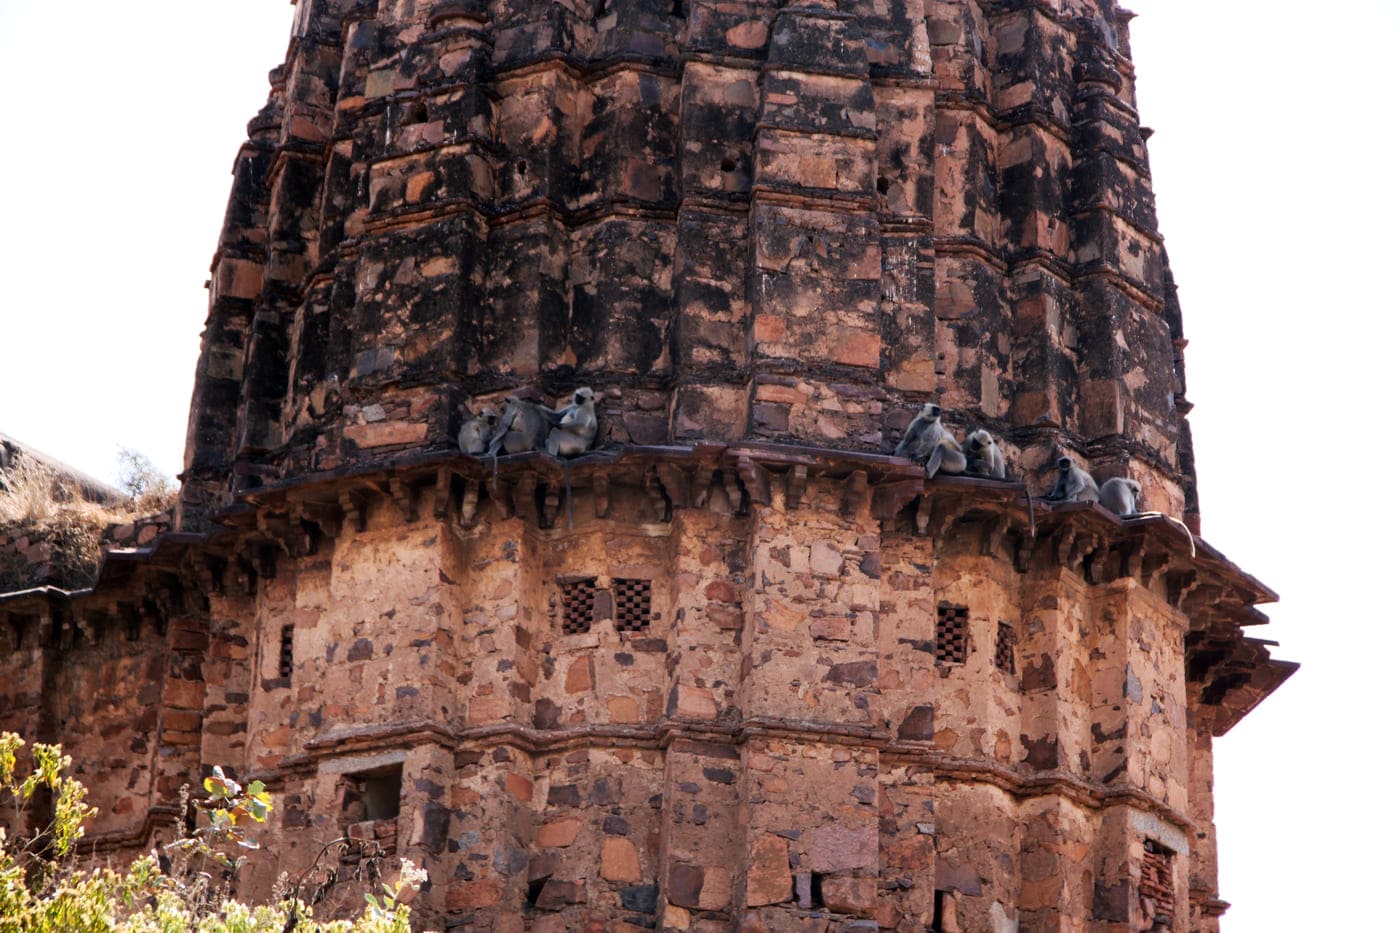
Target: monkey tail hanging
x: 568, y: 495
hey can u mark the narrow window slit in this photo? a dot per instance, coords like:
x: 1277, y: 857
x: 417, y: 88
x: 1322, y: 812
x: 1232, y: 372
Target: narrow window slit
x: 285, y: 658
x: 940, y: 899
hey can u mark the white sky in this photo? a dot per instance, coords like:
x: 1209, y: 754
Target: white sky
x: 1275, y: 170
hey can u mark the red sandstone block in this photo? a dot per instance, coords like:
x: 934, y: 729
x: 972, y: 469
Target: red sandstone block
x: 171, y: 737
x: 558, y: 833
x: 183, y: 721
x: 386, y: 434
x: 521, y: 788
x: 189, y: 641
x: 847, y: 895
x: 769, y: 876
x: 620, y: 861
x: 184, y: 694
x: 473, y: 895
x: 580, y: 676
x: 225, y: 727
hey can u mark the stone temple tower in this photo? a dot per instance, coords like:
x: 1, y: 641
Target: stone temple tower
x: 738, y: 667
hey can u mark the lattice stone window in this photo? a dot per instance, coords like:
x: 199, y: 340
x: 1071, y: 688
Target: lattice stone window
x: 577, y: 597
x: 1006, y: 648
x: 1157, y: 891
x: 284, y: 656
x: 632, y: 605
x: 950, y: 640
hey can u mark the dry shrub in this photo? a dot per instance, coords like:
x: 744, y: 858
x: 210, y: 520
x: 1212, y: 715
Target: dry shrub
x: 151, y: 491
x: 31, y: 493
x: 48, y: 513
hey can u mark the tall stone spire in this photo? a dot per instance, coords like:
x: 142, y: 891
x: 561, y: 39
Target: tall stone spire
x: 767, y: 221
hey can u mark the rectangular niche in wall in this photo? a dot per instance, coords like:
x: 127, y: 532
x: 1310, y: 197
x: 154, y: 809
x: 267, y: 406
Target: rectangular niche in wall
x: 369, y: 810
x: 950, y: 639
x: 576, y: 605
x: 632, y: 605
x: 382, y: 789
x: 1157, y: 892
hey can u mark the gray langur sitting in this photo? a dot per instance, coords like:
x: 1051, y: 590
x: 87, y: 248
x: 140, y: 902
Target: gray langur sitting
x: 1074, y: 484
x: 576, y: 428
x: 524, y: 425
x: 926, y: 441
x: 477, y: 430
x: 1120, y: 496
x: 984, y: 456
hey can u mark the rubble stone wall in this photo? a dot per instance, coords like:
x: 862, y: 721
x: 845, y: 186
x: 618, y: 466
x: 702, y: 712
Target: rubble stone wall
x: 124, y: 694
x: 780, y: 740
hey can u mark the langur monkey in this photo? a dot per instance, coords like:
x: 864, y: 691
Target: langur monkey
x: 984, y: 457
x: 576, y: 428
x: 476, y: 432
x: 524, y: 425
x: 1074, y: 484
x: 1120, y: 496
x: 926, y: 441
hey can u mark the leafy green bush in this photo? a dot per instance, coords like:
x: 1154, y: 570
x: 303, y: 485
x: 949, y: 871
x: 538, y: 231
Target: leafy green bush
x: 185, y: 887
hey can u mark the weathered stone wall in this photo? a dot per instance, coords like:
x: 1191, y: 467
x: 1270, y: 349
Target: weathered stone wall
x: 121, y: 688
x: 774, y: 221
x: 784, y: 734
x: 725, y: 694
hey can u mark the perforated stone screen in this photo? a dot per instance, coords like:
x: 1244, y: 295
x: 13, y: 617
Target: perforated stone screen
x: 950, y: 640
x: 576, y: 597
x: 1006, y: 648
x: 632, y: 605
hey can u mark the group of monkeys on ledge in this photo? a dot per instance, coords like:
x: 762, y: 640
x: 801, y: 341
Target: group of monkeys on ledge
x: 528, y: 425
x: 571, y: 431
x: 928, y: 442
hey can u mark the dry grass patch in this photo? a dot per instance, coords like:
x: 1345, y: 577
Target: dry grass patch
x: 50, y: 534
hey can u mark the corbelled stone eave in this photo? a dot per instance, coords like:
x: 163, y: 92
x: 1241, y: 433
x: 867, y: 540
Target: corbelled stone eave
x: 1236, y: 673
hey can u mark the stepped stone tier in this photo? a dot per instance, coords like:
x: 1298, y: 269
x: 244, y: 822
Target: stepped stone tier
x: 738, y: 668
